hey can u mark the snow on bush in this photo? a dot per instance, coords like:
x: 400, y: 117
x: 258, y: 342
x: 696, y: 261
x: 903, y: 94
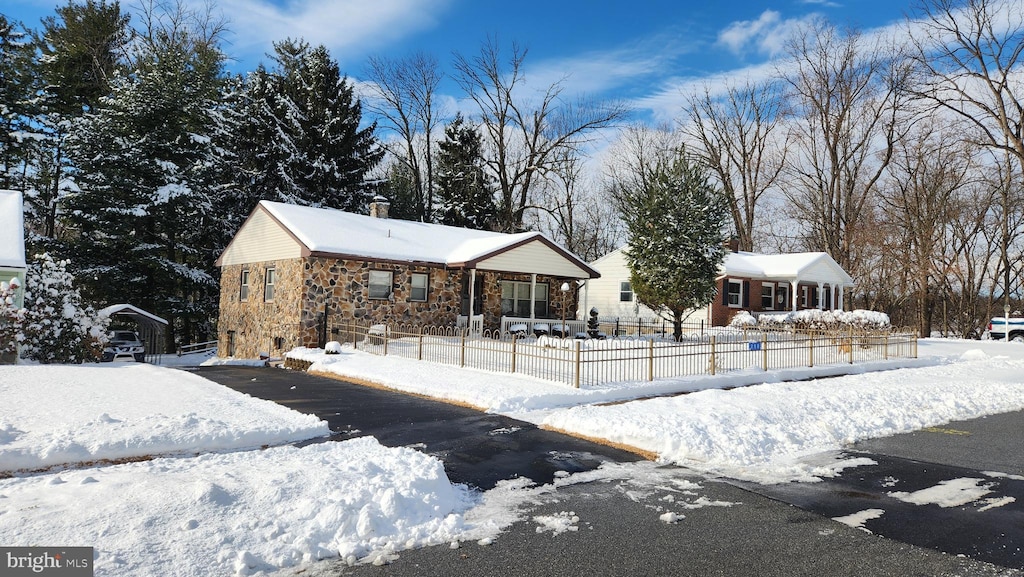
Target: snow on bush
x: 54, y: 326
x: 814, y: 319
x: 332, y: 348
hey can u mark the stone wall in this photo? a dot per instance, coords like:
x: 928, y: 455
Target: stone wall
x: 259, y: 326
x: 307, y: 289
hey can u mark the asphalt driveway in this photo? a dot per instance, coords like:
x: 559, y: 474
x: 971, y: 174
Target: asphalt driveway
x: 477, y: 449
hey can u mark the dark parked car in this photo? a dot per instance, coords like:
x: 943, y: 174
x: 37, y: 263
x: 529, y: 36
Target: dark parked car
x: 124, y: 344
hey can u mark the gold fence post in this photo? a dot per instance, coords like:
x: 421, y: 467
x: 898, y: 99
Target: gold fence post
x: 353, y: 327
x: 914, y: 336
x: 419, y: 349
x: 650, y: 360
x: 810, y: 348
x: 711, y: 362
x: 462, y: 349
x: 387, y: 333
x: 576, y: 374
x: 850, y: 344
x: 764, y: 350
x: 886, y: 345
x: 513, y: 353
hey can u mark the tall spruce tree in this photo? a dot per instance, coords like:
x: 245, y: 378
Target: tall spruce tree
x: 17, y: 91
x: 301, y: 141
x: 465, y: 190
x: 82, y: 48
x: 149, y: 173
x: 676, y: 222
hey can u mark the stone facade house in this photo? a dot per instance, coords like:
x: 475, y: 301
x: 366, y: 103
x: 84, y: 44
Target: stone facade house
x: 292, y: 272
x: 757, y: 283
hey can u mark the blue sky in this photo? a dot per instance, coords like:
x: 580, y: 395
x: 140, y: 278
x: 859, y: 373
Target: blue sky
x: 639, y: 51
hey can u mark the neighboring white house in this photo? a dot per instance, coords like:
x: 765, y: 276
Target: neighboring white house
x: 12, y: 248
x: 758, y: 283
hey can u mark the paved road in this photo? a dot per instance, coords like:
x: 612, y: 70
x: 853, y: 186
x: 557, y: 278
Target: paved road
x: 619, y: 530
x: 984, y: 455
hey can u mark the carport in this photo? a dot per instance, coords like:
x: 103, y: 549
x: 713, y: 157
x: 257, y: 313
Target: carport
x: 151, y: 328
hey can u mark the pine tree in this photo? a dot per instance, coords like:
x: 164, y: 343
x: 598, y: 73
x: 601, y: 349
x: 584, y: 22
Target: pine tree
x: 151, y: 174
x: 465, y: 195
x: 17, y: 91
x: 676, y: 222
x: 55, y: 325
x: 302, y: 142
x: 82, y: 49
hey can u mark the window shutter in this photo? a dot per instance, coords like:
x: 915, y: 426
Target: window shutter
x: 725, y: 291
x: 746, y: 294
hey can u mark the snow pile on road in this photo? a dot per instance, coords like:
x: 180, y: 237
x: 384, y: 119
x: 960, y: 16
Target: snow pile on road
x: 60, y: 414
x: 239, y: 513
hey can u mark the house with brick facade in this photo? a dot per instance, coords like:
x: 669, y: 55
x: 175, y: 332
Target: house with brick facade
x: 747, y: 281
x: 292, y: 271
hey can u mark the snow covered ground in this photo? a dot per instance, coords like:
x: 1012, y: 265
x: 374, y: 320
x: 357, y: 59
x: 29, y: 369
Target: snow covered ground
x: 211, y: 501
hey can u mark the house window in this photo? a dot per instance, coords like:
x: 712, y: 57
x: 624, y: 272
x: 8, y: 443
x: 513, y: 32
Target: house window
x: 515, y: 299
x: 243, y: 293
x: 268, y: 285
x: 380, y: 284
x: 419, y: 287
x: 735, y: 294
x: 803, y: 296
x: 767, y: 297
x: 625, y: 292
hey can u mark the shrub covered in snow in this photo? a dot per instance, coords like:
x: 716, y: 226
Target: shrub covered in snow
x: 332, y: 348
x: 821, y: 320
x: 54, y: 326
x: 743, y: 319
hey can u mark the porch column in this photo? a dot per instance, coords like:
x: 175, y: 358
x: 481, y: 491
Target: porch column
x: 472, y: 297
x: 821, y: 296
x: 793, y: 294
x: 839, y: 297
x: 533, y: 295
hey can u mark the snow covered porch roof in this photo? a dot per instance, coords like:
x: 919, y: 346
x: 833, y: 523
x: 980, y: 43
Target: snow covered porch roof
x: 280, y: 231
x: 811, y: 267
x: 12, y: 231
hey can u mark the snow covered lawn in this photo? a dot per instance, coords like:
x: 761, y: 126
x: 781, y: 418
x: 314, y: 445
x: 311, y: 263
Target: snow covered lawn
x: 58, y: 414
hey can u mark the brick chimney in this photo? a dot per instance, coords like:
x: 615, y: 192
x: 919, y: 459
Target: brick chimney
x: 379, y: 207
x: 732, y: 245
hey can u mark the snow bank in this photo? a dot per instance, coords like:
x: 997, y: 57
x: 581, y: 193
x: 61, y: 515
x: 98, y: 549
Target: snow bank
x: 239, y: 513
x: 762, y: 432
x: 57, y: 414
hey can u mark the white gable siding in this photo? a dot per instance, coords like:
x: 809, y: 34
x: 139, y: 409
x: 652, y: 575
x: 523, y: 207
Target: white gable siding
x: 603, y: 293
x: 533, y: 257
x: 820, y: 271
x: 261, y: 239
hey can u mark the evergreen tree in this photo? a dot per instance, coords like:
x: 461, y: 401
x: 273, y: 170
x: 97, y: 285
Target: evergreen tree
x: 82, y: 48
x: 676, y: 222
x: 54, y: 326
x: 399, y: 187
x: 150, y: 174
x: 301, y: 142
x: 465, y: 193
x: 17, y: 91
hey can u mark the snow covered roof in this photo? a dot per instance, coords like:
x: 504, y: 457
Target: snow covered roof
x: 12, y: 230
x: 807, y: 266
x: 132, y: 311
x: 335, y: 233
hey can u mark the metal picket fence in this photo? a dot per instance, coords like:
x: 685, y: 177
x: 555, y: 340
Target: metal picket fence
x: 590, y: 362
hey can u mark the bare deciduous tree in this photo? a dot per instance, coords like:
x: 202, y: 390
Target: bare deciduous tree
x: 737, y: 138
x: 404, y: 91
x: 524, y: 134
x: 847, y: 95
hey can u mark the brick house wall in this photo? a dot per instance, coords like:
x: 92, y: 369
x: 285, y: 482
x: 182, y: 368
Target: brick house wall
x: 722, y: 314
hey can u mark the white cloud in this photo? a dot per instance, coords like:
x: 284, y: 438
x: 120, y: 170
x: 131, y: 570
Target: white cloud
x: 767, y: 35
x: 343, y: 26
